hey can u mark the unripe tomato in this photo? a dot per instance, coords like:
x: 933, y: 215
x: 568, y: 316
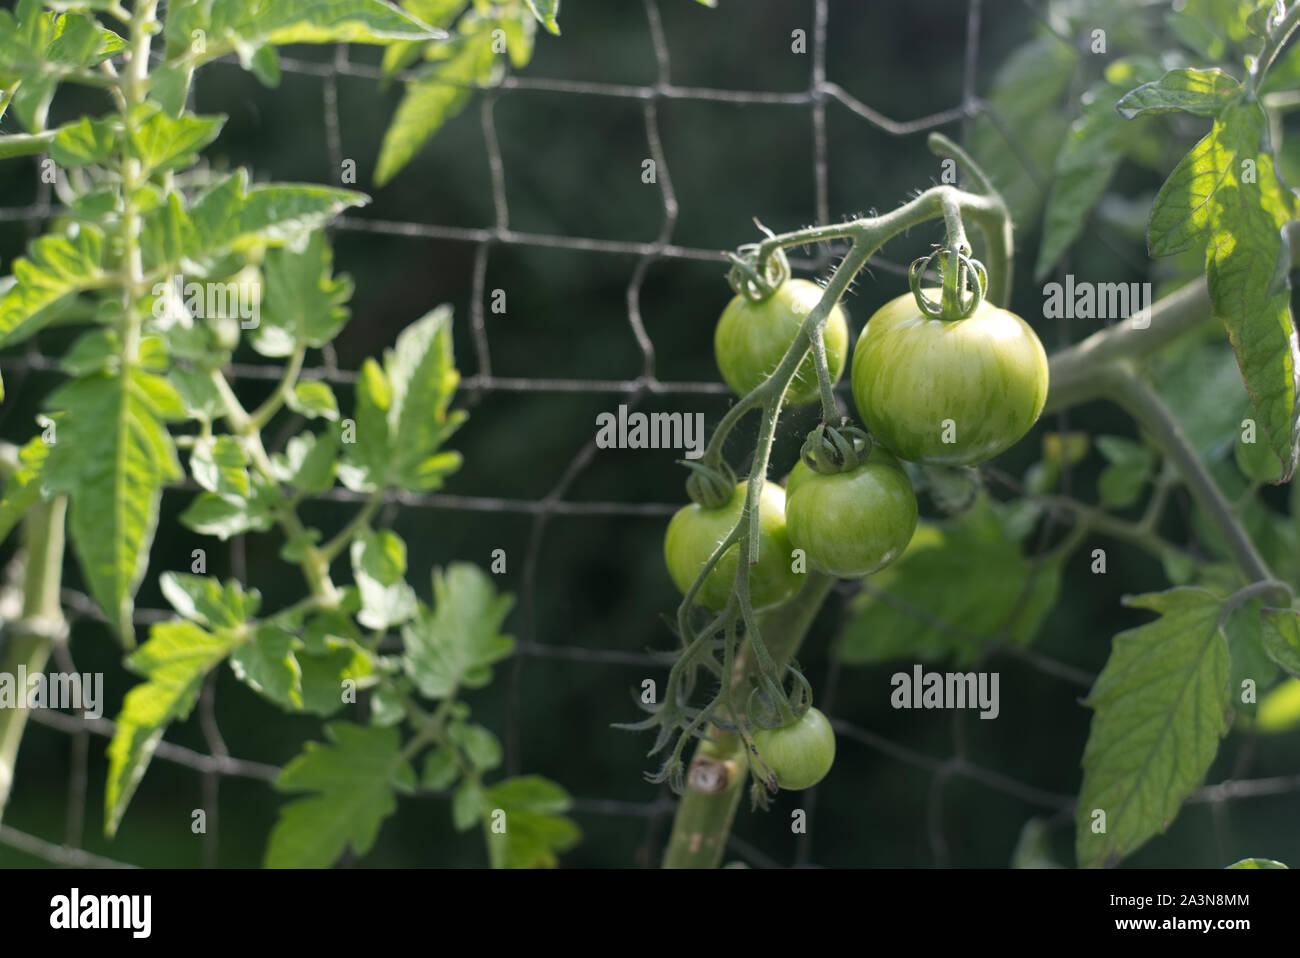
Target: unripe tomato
x: 695, y: 532
x: 800, y: 754
x: 852, y: 523
x: 948, y: 392
x: 751, y: 339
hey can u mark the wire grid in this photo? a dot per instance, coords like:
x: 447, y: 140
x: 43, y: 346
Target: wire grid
x: 217, y: 763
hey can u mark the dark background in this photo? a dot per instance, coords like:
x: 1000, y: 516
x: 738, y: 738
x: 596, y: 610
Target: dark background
x: 572, y: 168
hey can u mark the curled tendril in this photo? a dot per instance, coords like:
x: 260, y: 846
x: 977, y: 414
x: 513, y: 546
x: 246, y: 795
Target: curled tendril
x: 832, y: 449
x: 754, y: 280
x: 712, y: 486
x: 773, y: 715
x: 957, y: 268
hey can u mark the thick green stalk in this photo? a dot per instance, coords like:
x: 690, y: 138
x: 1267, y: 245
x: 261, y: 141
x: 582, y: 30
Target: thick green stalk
x: 28, y: 641
x: 716, y: 779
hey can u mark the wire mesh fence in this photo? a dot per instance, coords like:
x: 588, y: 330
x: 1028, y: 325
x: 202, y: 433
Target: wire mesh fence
x: 821, y: 95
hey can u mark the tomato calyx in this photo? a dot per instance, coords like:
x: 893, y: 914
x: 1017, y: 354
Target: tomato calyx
x: 957, y: 268
x: 710, y: 486
x: 831, y: 449
x: 764, y: 710
x: 754, y: 279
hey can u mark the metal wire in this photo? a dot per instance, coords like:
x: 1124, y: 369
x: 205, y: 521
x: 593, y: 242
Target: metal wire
x: 216, y: 763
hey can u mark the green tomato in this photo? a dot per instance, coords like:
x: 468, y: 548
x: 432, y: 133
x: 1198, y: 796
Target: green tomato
x: 752, y: 338
x: 800, y: 754
x: 694, y: 532
x: 852, y: 523
x: 948, y: 392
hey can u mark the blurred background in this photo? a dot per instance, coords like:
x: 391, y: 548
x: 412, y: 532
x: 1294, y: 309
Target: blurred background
x: 589, y: 578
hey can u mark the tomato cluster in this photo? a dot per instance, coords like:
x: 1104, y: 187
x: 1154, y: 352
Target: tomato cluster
x: 931, y: 390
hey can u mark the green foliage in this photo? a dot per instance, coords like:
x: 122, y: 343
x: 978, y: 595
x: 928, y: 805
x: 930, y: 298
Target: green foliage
x: 146, y: 385
x: 959, y: 587
x: 1160, y: 708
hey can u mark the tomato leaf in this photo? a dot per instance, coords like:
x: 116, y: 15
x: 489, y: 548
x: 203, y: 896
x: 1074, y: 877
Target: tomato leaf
x: 267, y: 665
x: 55, y: 269
x: 353, y: 780
x: 1159, y: 710
x: 1198, y: 92
x: 958, y: 587
x: 525, y: 824
x: 208, y: 601
x: 1281, y: 638
x: 546, y: 11
x: 454, y: 644
x: 23, y: 488
x: 174, y: 661
x: 112, y: 456
x: 1225, y: 194
x: 244, y: 27
x: 303, y: 303
x: 379, y: 566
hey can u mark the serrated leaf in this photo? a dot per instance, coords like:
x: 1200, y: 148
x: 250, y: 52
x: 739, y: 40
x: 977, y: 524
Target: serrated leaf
x: 23, y: 488
x: 308, y: 462
x: 219, y: 464
x: 227, y: 516
x: 1281, y: 638
x: 480, y: 746
x: 959, y: 586
x: 440, y: 769
x: 402, y: 417
x: 243, y: 26
x: 1160, y: 708
x: 174, y: 662
x: 313, y: 399
x: 84, y: 143
x: 112, y: 457
x: 1225, y: 193
x: 466, y: 805
x: 208, y: 601
x: 431, y: 100
x: 353, y: 780
x: 546, y: 11
x: 324, y: 675
x: 267, y: 665
x: 527, y: 825
x: 55, y: 269
x: 454, y: 644
x: 423, y: 378
x: 302, y: 303
x: 1198, y: 92
x: 379, y: 565
x: 1084, y: 166
x: 164, y: 142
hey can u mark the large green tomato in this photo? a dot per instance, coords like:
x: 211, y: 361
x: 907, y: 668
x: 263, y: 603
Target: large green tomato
x: 800, y: 754
x: 852, y: 523
x: 752, y: 338
x: 948, y: 392
x: 695, y: 532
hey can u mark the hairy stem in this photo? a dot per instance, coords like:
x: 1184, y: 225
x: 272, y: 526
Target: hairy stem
x: 27, y: 643
x: 715, y: 784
